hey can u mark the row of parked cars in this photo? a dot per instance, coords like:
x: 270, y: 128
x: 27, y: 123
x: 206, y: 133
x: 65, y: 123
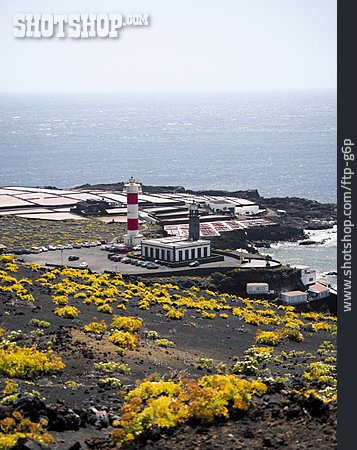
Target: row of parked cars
x: 133, y: 261
x: 46, y: 248
x: 119, y: 248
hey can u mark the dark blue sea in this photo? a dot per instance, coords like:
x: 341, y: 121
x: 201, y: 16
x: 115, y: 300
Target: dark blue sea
x: 283, y: 144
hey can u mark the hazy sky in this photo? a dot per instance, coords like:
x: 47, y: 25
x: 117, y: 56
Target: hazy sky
x: 190, y: 45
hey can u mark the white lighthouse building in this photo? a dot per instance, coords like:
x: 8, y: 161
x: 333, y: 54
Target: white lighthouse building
x: 174, y: 249
x: 132, y: 190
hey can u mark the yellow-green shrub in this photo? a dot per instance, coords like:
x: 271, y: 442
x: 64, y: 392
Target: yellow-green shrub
x: 7, y: 259
x: 127, y: 323
x: 268, y: 338
x: 124, y: 339
x: 320, y: 374
x: 96, y: 327
x: 67, y: 312
x: 106, y: 308
x: 10, y: 388
x: 11, y: 267
x: 40, y: 323
x: 112, y: 366
x: 321, y: 326
x: 26, y: 362
x: 175, y: 314
x: 35, y: 267
x: 60, y: 300
x: 166, y: 404
x: 164, y: 343
x: 16, y: 427
x: 291, y: 334
x: 109, y: 383
x: 207, y: 315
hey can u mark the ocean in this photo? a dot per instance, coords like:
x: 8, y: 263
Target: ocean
x: 282, y: 143
x: 320, y: 256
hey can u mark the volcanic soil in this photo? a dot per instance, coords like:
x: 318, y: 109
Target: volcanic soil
x: 72, y: 398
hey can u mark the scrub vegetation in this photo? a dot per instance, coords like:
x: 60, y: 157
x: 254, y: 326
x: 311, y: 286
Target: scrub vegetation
x: 160, y: 359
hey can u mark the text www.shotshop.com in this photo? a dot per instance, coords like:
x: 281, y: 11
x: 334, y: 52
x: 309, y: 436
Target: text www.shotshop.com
x: 346, y: 239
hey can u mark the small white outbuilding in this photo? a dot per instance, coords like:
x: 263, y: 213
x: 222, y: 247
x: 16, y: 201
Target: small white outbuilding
x: 293, y: 297
x: 257, y: 288
x: 308, y: 275
x: 318, y: 290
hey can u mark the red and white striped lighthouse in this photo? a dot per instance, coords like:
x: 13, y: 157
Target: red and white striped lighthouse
x: 132, y: 190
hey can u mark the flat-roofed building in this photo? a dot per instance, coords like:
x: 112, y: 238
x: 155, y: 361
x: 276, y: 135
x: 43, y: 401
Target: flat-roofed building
x: 174, y: 249
x: 247, y: 210
x: 293, y: 297
x: 308, y: 275
x: 224, y: 206
x: 318, y: 290
x: 257, y: 288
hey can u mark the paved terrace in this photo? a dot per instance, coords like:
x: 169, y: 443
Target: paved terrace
x: 98, y: 262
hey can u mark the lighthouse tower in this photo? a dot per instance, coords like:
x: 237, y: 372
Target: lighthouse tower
x: 132, y: 190
x: 194, y: 223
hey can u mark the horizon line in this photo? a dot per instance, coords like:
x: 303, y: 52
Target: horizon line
x: 178, y: 92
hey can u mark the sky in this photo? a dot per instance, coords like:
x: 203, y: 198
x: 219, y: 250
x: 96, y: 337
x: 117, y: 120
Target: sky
x: 200, y: 45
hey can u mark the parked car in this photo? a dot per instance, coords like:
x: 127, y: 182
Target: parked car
x: 116, y: 258
x: 73, y: 258
x: 124, y: 250
x: 137, y: 247
x: 152, y: 265
x: 83, y: 265
x: 194, y: 264
x: 143, y: 263
x: 77, y: 246
x: 105, y: 247
x: 114, y: 249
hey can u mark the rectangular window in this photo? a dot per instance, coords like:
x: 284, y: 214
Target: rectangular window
x: 199, y: 253
x: 187, y: 254
x: 205, y: 252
